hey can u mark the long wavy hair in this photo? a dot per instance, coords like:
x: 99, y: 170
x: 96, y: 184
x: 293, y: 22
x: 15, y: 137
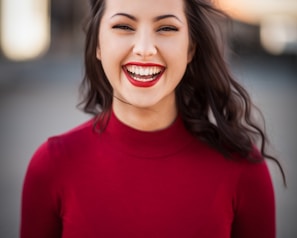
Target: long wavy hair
x: 213, y: 106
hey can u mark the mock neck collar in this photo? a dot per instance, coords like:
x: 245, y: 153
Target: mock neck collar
x: 148, y: 144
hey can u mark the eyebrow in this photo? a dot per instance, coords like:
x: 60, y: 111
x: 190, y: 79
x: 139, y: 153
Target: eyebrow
x: 158, y: 18
x: 125, y: 15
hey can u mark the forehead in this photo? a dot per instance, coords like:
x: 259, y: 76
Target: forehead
x: 145, y: 7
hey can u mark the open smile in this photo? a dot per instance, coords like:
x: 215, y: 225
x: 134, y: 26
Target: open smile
x: 143, y: 75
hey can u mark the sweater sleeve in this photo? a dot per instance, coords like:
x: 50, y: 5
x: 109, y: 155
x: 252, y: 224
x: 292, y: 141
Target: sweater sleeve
x: 254, y: 204
x: 39, y: 213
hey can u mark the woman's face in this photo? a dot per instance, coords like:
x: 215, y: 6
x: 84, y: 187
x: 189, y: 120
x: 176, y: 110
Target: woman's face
x: 144, y: 50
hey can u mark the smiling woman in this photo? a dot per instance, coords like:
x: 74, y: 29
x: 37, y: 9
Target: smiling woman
x: 129, y: 36
x: 172, y: 148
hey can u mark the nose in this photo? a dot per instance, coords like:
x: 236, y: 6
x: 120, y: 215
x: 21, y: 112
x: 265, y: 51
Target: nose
x: 144, y: 45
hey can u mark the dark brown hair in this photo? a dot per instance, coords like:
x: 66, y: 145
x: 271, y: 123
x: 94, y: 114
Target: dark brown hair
x: 213, y: 106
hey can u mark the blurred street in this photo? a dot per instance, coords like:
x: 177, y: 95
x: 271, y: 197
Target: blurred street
x: 39, y: 98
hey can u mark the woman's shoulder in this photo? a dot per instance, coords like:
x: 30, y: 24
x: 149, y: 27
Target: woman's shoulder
x: 59, y: 147
x: 251, y: 168
x: 253, y: 174
x: 77, y: 134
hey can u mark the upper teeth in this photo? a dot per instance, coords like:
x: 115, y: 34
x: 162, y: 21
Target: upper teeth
x: 144, y: 71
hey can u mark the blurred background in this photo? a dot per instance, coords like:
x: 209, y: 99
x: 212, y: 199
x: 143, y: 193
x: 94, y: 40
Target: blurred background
x: 41, y: 67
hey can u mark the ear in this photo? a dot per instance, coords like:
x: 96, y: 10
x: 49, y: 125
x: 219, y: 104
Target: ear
x: 191, y: 52
x: 98, y: 53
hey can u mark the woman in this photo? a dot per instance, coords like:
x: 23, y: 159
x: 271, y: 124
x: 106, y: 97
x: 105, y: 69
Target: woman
x: 170, y: 151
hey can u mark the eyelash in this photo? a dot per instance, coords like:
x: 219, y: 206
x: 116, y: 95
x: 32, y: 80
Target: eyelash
x: 123, y: 27
x: 128, y: 28
x: 168, y: 28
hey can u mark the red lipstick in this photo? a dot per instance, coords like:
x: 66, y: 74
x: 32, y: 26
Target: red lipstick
x: 143, y: 74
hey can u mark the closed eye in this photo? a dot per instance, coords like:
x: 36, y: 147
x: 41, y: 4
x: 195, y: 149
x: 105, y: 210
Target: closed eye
x: 167, y: 28
x: 123, y: 27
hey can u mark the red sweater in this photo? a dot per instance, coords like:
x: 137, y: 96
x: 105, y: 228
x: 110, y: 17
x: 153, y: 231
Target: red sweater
x: 128, y: 183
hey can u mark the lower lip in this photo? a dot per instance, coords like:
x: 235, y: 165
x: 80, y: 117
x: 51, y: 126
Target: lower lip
x: 140, y: 83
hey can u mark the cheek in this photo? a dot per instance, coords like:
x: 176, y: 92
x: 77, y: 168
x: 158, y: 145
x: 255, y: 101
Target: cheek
x: 175, y: 48
x: 177, y: 63
x: 113, y: 50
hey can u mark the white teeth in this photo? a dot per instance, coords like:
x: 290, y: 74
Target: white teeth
x: 144, y: 71
x: 144, y: 79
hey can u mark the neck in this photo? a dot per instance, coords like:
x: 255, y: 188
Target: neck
x: 145, y: 119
